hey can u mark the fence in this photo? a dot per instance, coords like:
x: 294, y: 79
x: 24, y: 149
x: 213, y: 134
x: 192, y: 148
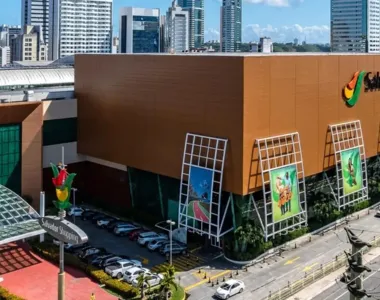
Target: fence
x: 294, y: 287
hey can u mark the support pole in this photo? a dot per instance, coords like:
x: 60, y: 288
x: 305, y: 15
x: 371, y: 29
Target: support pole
x: 42, y: 213
x: 61, y: 274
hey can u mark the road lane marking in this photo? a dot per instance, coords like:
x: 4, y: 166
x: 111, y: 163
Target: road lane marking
x: 308, y: 268
x: 290, y: 261
x: 206, y: 280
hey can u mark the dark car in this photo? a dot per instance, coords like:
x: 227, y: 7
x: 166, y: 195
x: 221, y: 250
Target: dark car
x: 134, y: 235
x: 97, y: 217
x: 84, y: 255
x: 111, y: 225
x: 75, y: 248
x: 88, y: 214
x: 96, y: 260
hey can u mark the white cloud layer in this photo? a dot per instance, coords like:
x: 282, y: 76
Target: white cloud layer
x: 287, y: 33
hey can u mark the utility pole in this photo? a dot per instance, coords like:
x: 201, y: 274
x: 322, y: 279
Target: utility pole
x: 356, y: 267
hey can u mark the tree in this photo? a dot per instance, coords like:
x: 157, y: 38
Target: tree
x: 168, y: 281
x: 248, y: 234
x: 142, y: 282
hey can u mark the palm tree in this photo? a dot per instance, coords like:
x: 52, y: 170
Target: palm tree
x: 142, y: 282
x: 168, y: 281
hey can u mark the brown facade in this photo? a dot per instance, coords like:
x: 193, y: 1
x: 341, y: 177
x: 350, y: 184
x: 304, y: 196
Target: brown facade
x: 135, y: 110
x: 30, y: 116
x: 96, y: 184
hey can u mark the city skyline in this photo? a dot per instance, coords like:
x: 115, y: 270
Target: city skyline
x: 282, y: 20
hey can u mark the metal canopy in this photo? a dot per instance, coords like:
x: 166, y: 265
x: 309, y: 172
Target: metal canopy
x: 18, y: 220
x: 345, y: 137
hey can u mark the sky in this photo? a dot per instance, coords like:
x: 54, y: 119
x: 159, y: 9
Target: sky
x: 282, y: 20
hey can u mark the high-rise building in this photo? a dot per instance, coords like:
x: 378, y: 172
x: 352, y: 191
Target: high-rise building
x: 139, y: 30
x: 162, y: 33
x: 230, y: 23
x: 36, y: 13
x: 176, y: 29
x: 197, y: 21
x: 7, y: 33
x: 29, y: 46
x: 115, y: 44
x: 355, y: 26
x: 79, y: 27
x: 5, y: 56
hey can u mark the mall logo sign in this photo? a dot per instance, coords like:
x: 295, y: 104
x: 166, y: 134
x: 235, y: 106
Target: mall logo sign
x: 63, y: 230
x: 351, y: 91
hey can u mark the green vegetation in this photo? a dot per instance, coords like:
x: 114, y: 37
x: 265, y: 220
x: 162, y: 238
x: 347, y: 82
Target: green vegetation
x: 280, y: 47
x: 6, y: 295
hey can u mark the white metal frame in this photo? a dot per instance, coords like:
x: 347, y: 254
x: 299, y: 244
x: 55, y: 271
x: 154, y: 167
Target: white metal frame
x: 346, y: 136
x: 276, y: 152
x: 207, y: 153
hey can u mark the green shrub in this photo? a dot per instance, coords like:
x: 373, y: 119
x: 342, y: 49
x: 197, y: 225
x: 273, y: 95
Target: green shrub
x: 121, y: 288
x: 6, y: 295
x: 97, y: 274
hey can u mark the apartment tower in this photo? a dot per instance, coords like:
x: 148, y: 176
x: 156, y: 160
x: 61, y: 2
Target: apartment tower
x: 230, y: 23
x: 197, y: 21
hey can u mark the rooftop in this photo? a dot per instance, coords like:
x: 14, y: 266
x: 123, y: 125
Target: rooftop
x: 36, y: 76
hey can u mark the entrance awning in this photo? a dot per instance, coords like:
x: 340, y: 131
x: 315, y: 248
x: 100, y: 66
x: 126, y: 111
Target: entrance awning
x: 18, y: 220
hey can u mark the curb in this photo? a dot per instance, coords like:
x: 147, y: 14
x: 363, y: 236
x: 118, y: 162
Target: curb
x: 307, y: 238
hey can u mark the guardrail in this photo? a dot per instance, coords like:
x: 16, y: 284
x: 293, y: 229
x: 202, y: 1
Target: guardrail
x: 325, y: 269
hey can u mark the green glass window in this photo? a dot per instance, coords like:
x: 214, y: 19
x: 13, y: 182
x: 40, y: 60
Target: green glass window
x: 10, y: 157
x: 59, y: 131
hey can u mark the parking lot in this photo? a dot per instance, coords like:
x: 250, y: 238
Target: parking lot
x: 118, y: 245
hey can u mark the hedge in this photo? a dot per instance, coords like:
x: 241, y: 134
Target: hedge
x: 51, y: 253
x: 6, y: 295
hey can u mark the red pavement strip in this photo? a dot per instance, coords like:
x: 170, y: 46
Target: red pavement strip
x: 31, y: 277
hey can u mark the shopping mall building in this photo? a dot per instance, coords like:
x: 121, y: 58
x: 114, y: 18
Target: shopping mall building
x: 136, y: 124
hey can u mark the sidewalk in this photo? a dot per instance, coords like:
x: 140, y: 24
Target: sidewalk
x: 325, y: 283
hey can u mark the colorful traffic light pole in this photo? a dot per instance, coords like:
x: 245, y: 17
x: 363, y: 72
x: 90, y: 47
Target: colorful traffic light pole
x: 62, y: 181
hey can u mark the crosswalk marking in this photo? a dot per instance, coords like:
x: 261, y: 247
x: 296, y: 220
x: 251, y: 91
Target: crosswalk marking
x: 181, y: 263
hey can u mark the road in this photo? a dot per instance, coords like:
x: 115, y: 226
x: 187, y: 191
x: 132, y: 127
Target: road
x: 276, y: 272
x: 371, y: 285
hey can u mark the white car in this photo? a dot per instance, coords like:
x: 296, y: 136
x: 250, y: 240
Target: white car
x: 377, y: 213
x: 119, y: 268
x: 146, y: 237
x: 134, y: 272
x: 154, y: 279
x: 229, y: 288
x: 75, y: 211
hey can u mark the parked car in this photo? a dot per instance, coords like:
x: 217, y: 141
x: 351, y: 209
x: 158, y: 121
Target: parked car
x: 75, y: 211
x: 92, y: 250
x: 134, y: 235
x: 111, y: 225
x: 111, y: 260
x: 70, y: 248
x: 88, y: 214
x: 229, y: 288
x: 153, y: 279
x: 146, y: 237
x: 97, y: 216
x: 102, y: 223
x: 119, y: 268
x: 133, y: 273
x: 156, y: 244
x: 377, y: 213
x: 78, y: 250
x: 99, y: 259
x: 176, y: 248
x: 123, y: 230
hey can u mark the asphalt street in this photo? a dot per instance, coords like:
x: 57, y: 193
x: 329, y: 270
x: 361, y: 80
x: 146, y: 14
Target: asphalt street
x: 371, y: 285
x: 262, y: 279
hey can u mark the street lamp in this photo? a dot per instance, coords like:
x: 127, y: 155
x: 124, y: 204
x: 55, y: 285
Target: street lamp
x: 171, y: 223
x: 74, y: 191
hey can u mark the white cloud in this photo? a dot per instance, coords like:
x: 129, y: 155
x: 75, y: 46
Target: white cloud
x: 278, y: 3
x: 282, y: 34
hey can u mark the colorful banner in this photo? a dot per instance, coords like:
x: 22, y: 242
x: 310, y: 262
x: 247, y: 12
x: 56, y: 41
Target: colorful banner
x: 284, y: 191
x: 200, y: 193
x: 351, y: 171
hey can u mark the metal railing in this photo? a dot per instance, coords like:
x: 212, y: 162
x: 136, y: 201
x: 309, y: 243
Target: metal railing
x: 324, y: 269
